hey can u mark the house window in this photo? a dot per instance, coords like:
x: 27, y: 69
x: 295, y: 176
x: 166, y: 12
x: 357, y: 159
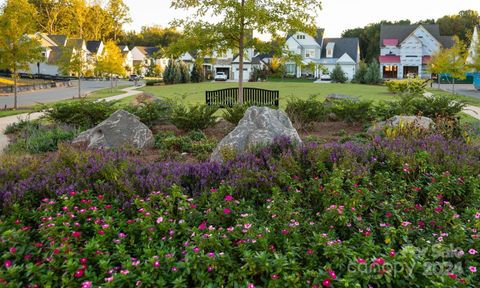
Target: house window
x: 290, y: 68
x: 301, y: 37
x: 330, y: 53
x: 310, y: 53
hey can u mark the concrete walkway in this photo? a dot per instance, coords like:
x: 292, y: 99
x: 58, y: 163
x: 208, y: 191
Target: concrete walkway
x: 5, y: 121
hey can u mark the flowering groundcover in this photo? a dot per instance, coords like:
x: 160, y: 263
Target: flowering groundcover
x: 391, y: 213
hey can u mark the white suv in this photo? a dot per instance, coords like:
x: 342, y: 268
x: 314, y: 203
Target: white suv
x: 220, y: 76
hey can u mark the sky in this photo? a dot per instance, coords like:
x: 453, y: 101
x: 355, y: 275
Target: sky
x: 336, y: 15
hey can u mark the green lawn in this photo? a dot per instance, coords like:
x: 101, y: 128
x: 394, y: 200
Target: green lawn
x: 194, y: 93
x: 5, y: 113
x: 107, y: 92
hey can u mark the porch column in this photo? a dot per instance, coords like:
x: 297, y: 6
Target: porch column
x: 299, y: 71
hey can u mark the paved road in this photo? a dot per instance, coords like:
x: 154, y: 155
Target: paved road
x: 56, y: 94
x: 462, y: 89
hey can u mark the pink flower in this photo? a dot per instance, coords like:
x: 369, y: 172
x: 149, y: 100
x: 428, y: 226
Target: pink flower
x: 452, y: 275
x: 87, y: 284
x: 159, y: 220
x: 247, y: 226
x: 196, y: 249
x: 332, y: 274
x: 109, y: 279
x: 472, y: 252
x: 477, y: 215
x: 79, y: 273
x: 284, y: 231
x: 227, y: 211
x: 361, y: 261
x: 472, y: 269
x: 211, y: 254
x: 156, y: 264
x: 214, y: 190
x: 83, y: 261
x: 380, y: 261
x: 392, y: 253
x: 309, y: 251
x: 327, y: 283
x: 13, y: 250
x: 250, y: 285
x: 275, y: 276
x: 7, y: 263
x: 76, y: 234
x: 405, y: 223
x: 229, y: 198
x: 124, y: 272
x: 210, y: 269
x: 101, y: 232
x: 174, y: 269
x: 122, y: 235
x: 203, y: 226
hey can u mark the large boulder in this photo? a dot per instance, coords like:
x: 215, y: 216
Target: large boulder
x: 121, y: 129
x: 420, y: 122
x: 259, y: 126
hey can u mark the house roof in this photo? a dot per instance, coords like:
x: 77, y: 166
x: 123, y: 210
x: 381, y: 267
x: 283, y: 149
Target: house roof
x: 93, y: 46
x: 147, y: 51
x: 75, y: 43
x: 262, y: 56
x: 318, y: 36
x: 55, y: 54
x: 60, y: 40
x: 342, y: 46
x: 401, y: 32
x: 122, y: 47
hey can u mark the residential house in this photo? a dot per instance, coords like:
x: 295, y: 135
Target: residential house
x: 318, y: 53
x: 144, y: 57
x: 472, y: 50
x: 405, y: 50
x: 51, y: 53
x: 127, y: 59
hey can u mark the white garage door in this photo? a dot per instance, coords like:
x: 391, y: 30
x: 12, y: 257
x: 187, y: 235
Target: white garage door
x: 246, y: 75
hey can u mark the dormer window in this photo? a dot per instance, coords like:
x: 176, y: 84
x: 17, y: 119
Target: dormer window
x: 301, y: 37
x: 330, y: 48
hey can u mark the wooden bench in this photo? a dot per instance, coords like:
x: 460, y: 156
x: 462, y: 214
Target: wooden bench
x: 252, y: 96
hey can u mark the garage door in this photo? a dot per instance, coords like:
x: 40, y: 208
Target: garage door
x: 246, y: 75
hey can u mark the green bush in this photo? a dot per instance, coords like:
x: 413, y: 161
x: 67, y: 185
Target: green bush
x: 196, y: 117
x: 40, y: 139
x: 196, y: 76
x: 172, y: 73
x: 184, y: 72
x: 195, y: 143
x: 197, y: 135
x: 154, y: 82
x: 373, y: 76
x: 360, y: 74
x: 353, y: 111
x: 235, y: 113
x: 338, y: 75
x: 413, y: 86
x: 152, y: 113
x: 20, y: 125
x: 80, y: 113
x: 304, y: 113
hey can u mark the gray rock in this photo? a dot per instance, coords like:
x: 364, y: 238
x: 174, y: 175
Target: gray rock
x: 121, y: 129
x: 259, y: 126
x: 333, y: 97
x: 416, y: 121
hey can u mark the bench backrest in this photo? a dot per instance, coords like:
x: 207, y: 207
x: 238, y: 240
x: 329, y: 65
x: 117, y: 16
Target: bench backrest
x: 253, y: 96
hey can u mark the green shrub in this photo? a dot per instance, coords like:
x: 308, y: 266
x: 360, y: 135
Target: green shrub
x: 20, y: 126
x: 413, y: 86
x: 152, y: 113
x: 195, y: 143
x: 235, y: 113
x: 373, y: 76
x: 438, y: 106
x: 196, y: 117
x: 360, y: 74
x: 338, y: 75
x: 172, y: 73
x: 304, y: 113
x: 197, y: 135
x: 41, y: 139
x: 80, y: 113
x: 196, y: 76
x: 154, y: 82
x: 353, y: 111
x: 184, y: 72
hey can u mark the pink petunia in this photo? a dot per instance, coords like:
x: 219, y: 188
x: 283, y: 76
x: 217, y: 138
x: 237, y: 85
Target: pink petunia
x: 87, y: 284
x: 7, y: 263
x: 472, y: 269
x: 472, y: 252
x: 229, y: 198
x: 227, y: 211
x: 76, y: 234
x: 326, y: 283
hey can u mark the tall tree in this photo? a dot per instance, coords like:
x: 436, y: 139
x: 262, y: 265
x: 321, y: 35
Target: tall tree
x: 119, y: 13
x: 73, y: 63
x: 237, y: 19
x: 98, y: 23
x: 111, y: 62
x: 17, y: 49
x: 49, y: 14
x: 461, y: 24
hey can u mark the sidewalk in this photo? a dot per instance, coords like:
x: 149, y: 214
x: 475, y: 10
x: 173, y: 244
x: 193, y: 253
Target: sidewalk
x: 5, y: 121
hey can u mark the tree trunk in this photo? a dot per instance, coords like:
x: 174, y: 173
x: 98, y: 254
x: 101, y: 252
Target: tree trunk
x: 79, y: 88
x: 241, y: 49
x: 15, y: 88
x: 111, y: 83
x: 453, y: 85
x: 438, y: 79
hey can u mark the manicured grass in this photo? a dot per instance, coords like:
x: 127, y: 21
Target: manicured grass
x: 107, y: 92
x: 194, y: 93
x: 5, y: 113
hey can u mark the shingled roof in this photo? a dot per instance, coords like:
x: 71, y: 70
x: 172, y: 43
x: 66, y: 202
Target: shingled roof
x: 147, y: 51
x: 342, y: 46
x: 93, y: 46
x: 401, y: 32
x: 60, y: 40
x: 75, y: 43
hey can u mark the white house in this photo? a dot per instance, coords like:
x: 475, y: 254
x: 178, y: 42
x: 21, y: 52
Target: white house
x: 405, y: 50
x: 144, y: 57
x: 474, y: 45
x: 127, y: 58
x: 51, y: 53
x: 316, y: 51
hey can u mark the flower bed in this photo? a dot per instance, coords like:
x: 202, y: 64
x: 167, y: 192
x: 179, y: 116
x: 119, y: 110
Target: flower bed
x: 398, y: 212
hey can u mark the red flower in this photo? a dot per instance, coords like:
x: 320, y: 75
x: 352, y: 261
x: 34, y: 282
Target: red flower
x: 83, y: 261
x: 452, y: 275
x: 79, y: 273
x: 76, y: 234
x: 380, y: 261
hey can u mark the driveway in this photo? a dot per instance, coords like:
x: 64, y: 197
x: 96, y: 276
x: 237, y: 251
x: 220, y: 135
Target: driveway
x: 56, y: 94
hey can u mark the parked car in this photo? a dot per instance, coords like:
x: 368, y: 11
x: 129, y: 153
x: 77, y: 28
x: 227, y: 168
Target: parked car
x: 133, y: 77
x: 221, y: 76
x: 325, y: 77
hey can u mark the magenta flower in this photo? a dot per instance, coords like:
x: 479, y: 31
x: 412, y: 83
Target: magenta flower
x: 79, y: 273
x: 196, y: 249
x: 392, y: 253
x: 332, y: 274
x: 472, y: 269
x: 210, y: 269
x: 122, y: 235
x: 174, y: 269
x: 379, y: 261
x: 275, y: 276
x: 76, y: 234
x: 159, y: 220
x: 203, y: 225
x: 156, y: 264
x: 87, y: 284
x: 361, y: 261
x: 229, y: 198
x: 477, y: 215
x: 326, y: 283
x: 472, y: 252
x: 227, y: 211
x: 13, y: 250
x: 211, y: 254
x: 124, y: 272
x: 83, y: 261
x: 7, y: 263
x: 250, y: 285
